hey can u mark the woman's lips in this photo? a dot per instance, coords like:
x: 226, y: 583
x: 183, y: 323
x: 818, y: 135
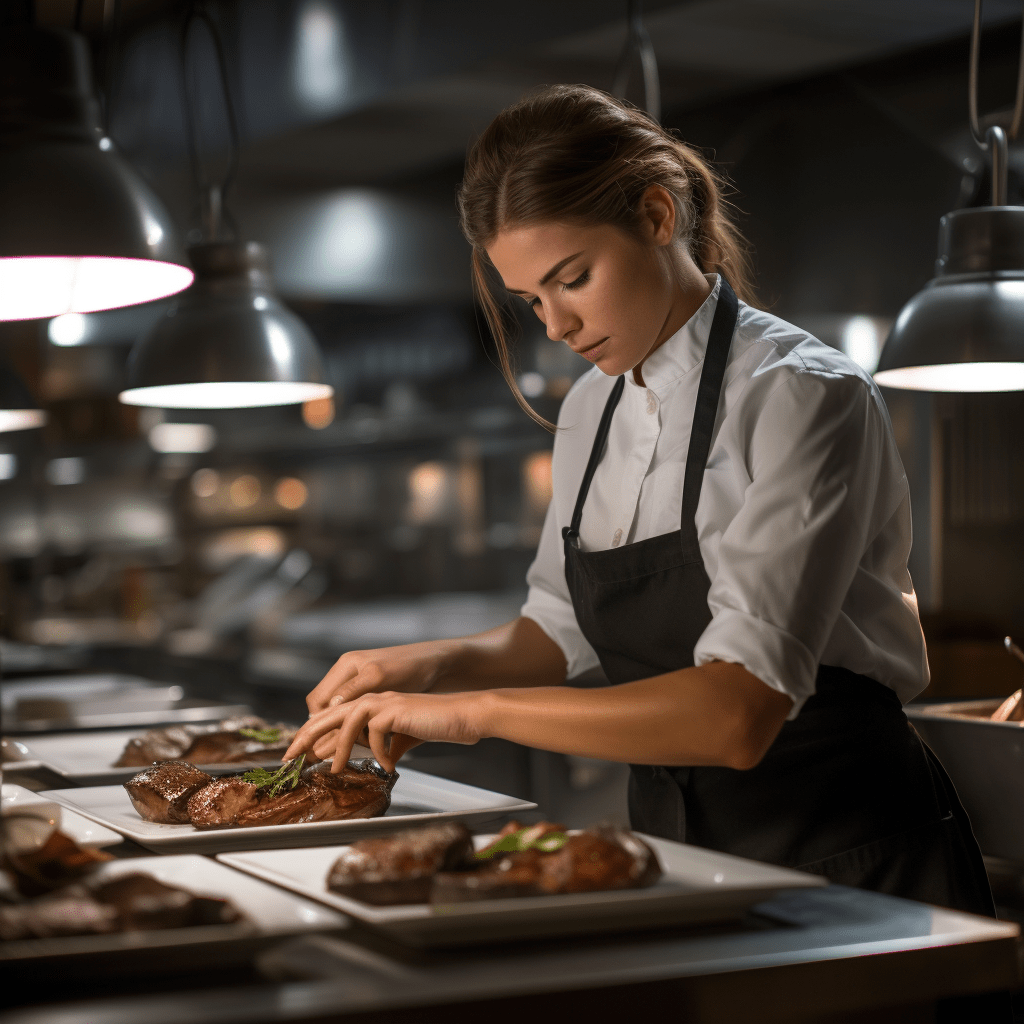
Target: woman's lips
x: 594, y: 352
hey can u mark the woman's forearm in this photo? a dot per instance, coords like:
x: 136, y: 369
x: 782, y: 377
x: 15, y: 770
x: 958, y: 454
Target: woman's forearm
x: 516, y: 654
x: 718, y: 714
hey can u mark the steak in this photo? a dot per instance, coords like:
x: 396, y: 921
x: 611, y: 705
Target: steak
x: 162, y: 792
x: 212, y: 743
x: 134, y: 902
x: 598, y: 859
x: 401, y: 868
x: 179, y: 793
x: 221, y: 803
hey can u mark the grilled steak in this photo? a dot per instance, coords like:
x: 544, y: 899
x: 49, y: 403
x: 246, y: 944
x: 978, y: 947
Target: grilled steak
x: 135, y: 902
x: 161, y: 793
x: 212, y: 743
x: 401, y: 868
x: 221, y: 803
x: 599, y: 859
x: 180, y: 793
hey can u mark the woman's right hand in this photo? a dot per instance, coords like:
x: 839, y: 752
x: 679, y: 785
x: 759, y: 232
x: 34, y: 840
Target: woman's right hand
x: 411, y: 668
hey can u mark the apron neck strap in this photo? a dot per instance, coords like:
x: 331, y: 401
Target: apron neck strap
x: 596, y: 452
x: 705, y: 412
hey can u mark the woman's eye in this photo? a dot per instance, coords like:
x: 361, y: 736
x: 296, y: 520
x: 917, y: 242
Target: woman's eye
x: 578, y: 283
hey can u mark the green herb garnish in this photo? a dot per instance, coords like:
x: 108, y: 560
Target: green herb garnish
x: 263, y: 735
x: 286, y: 777
x: 516, y: 842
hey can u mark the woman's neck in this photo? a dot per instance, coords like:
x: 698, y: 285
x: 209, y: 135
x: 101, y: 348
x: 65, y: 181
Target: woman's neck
x: 690, y: 293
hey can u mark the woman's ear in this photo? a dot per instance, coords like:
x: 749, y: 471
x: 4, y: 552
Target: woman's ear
x: 658, y: 215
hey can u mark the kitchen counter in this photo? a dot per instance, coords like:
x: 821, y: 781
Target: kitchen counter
x: 823, y: 954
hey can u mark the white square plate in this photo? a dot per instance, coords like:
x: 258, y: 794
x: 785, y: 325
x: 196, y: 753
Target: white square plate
x: 416, y: 799
x: 87, y: 757
x: 271, y: 912
x: 698, y: 886
x: 84, y: 832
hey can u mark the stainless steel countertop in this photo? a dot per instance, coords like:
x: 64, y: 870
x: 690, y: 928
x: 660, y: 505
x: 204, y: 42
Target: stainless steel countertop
x: 833, y: 949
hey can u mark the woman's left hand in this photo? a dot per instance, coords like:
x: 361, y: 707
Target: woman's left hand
x: 393, y: 722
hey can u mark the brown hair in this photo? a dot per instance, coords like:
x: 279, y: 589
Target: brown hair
x: 574, y: 153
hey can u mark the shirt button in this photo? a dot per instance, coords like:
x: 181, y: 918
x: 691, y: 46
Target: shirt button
x: 652, y: 403
x: 617, y: 539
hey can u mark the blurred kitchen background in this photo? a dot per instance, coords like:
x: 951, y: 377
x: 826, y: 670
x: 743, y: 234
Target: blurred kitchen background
x: 241, y: 551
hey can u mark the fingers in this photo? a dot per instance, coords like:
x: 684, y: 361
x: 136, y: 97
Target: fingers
x: 400, y: 743
x: 369, y: 678
x: 341, y: 671
x: 379, y: 735
x: 318, y: 725
x: 348, y: 733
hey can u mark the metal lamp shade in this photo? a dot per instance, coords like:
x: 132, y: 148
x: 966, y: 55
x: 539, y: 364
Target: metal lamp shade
x: 964, y: 331
x: 79, y: 229
x: 18, y: 410
x: 228, y: 342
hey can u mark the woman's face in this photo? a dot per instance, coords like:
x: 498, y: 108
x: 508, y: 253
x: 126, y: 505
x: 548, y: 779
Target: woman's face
x: 610, y: 296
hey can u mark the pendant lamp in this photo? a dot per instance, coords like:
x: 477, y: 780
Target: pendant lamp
x: 18, y: 410
x: 228, y: 342
x: 638, y: 51
x: 964, y: 331
x: 79, y: 229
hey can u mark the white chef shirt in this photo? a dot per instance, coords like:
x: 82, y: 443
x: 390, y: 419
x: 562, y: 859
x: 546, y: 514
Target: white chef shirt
x: 804, y: 514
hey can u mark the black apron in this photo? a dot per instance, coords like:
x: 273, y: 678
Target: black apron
x: 847, y: 790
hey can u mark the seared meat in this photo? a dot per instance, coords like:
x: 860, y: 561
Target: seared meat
x: 70, y: 911
x: 598, y: 859
x: 142, y: 902
x: 401, y: 868
x: 211, y: 743
x: 221, y: 803
x: 135, y: 902
x: 162, y: 792
x: 362, y: 789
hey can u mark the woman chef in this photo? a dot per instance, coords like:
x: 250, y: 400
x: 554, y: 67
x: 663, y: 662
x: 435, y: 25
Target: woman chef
x: 728, y: 536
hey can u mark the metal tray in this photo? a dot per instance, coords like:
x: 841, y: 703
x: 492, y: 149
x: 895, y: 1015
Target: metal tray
x: 985, y: 760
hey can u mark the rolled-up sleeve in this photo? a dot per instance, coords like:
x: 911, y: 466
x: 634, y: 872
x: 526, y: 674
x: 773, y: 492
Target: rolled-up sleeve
x: 548, y: 602
x: 817, y: 448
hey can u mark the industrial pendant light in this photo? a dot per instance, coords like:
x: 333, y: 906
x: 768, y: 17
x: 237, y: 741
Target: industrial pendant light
x: 228, y: 342
x: 964, y: 331
x: 18, y: 410
x: 79, y: 229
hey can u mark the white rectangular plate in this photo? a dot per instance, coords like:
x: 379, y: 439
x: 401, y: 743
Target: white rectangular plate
x: 102, y: 701
x: 88, y: 757
x: 698, y: 886
x: 272, y: 913
x: 82, y: 830
x: 416, y: 799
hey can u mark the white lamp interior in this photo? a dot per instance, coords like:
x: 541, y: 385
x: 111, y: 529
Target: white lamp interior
x: 225, y: 394
x: 21, y: 419
x: 32, y: 287
x: 955, y: 377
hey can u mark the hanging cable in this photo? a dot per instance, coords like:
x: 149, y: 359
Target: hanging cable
x: 994, y: 141
x: 638, y: 47
x: 79, y: 5
x: 213, y: 193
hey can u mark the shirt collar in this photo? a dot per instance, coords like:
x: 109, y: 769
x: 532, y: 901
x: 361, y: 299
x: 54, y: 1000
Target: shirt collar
x: 685, y: 349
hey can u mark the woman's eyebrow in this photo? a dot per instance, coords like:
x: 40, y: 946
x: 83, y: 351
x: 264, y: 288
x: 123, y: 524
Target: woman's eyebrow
x: 551, y: 273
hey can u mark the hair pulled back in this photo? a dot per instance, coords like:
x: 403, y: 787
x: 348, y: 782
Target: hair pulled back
x: 573, y: 153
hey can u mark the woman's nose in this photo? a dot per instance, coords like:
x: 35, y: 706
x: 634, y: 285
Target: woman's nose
x: 560, y: 322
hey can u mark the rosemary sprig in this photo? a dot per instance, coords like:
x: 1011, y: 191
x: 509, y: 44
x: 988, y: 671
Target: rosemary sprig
x: 263, y: 735
x: 515, y: 842
x: 286, y: 777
